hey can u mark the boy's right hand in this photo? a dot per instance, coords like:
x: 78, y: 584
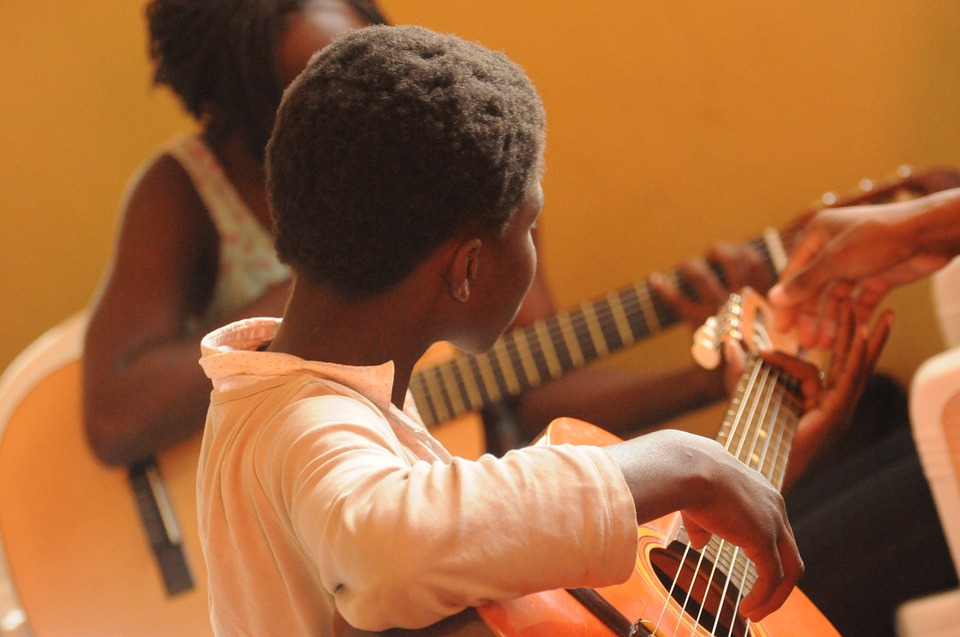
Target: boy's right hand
x: 717, y: 494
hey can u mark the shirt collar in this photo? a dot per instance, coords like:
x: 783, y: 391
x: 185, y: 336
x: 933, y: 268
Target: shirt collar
x: 230, y: 358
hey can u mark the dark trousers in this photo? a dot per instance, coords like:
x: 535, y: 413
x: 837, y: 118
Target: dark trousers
x: 870, y: 537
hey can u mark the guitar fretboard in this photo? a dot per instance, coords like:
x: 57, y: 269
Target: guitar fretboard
x: 529, y: 356
x: 758, y: 429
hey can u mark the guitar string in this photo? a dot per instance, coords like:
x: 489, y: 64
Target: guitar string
x: 772, y: 387
x: 732, y: 425
x: 723, y: 544
x: 785, y: 416
x: 765, y: 396
x: 759, y: 398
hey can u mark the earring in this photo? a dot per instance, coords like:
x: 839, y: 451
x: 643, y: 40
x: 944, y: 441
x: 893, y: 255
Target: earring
x: 463, y: 292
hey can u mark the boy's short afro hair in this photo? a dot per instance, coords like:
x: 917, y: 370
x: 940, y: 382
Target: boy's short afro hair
x: 392, y: 140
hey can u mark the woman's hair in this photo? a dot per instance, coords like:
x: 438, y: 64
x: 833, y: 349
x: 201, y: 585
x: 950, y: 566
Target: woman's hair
x: 220, y: 58
x: 391, y: 141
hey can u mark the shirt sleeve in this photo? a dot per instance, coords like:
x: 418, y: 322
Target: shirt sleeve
x: 402, y: 543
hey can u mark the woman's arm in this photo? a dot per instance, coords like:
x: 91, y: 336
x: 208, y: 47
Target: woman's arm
x: 143, y: 387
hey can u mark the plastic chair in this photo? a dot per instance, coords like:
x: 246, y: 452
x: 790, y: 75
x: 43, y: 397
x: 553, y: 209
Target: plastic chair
x: 57, y: 348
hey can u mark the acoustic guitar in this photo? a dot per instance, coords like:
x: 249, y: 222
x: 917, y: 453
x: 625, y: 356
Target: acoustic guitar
x: 674, y: 588
x: 90, y: 550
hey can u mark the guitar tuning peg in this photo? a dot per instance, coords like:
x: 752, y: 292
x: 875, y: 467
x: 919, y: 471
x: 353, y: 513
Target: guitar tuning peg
x: 829, y: 198
x: 706, y: 344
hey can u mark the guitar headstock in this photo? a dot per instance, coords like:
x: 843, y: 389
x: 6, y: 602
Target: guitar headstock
x: 745, y: 317
x: 903, y: 183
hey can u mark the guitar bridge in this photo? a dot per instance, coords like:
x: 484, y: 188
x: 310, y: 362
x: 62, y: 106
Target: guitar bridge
x: 161, y: 527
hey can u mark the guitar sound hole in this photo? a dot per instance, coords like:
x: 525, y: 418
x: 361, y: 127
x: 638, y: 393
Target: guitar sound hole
x: 707, y: 598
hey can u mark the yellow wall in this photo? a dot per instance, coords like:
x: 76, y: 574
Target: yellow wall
x: 671, y: 124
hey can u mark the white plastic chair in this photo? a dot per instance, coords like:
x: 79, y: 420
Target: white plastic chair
x: 935, y: 420
x: 60, y: 346
x: 935, y: 408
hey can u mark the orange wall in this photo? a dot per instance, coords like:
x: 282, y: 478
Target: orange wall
x: 671, y: 125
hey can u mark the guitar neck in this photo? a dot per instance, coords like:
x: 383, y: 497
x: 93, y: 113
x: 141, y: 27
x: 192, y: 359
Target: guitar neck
x: 762, y: 418
x: 545, y: 350
x: 758, y: 429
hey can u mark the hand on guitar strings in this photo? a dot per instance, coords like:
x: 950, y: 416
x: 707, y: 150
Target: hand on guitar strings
x: 739, y: 265
x: 830, y: 397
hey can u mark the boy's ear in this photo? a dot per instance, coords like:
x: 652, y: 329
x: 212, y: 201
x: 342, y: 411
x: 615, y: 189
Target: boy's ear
x: 462, y: 269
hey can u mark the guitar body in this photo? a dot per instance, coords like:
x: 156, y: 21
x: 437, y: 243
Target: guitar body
x: 643, y: 596
x: 75, y: 547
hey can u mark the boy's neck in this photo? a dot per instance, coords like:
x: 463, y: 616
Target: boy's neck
x: 321, y: 325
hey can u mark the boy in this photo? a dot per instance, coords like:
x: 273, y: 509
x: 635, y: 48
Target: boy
x: 403, y: 177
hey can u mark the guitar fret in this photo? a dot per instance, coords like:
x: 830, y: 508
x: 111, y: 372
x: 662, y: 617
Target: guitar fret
x: 526, y: 358
x: 489, y: 377
x: 775, y: 249
x: 608, y: 325
x: 516, y: 361
x: 584, y: 337
x: 555, y: 331
x: 634, y: 311
x: 424, y: 398
x: 620, y: 319
x: 758, y: 414
x: 570, y: 339
x: 469, y: 382
x: 446, y: 403
x: 594, y: 329
x: 549, y: 351
x: 776, y: 459
x: 508, y: 374
x: 457, y: 405
x: 646, y: 306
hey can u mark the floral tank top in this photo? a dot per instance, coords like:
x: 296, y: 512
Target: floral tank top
x: 248, y: 264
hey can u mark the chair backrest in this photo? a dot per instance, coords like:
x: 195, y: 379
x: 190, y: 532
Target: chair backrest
x: 60, y: 346
x: 935, y: 418
x: 935, y: 408
x: 945, y: 287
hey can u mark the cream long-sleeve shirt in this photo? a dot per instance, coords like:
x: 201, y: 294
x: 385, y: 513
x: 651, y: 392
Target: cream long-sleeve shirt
x: 317, y: 496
